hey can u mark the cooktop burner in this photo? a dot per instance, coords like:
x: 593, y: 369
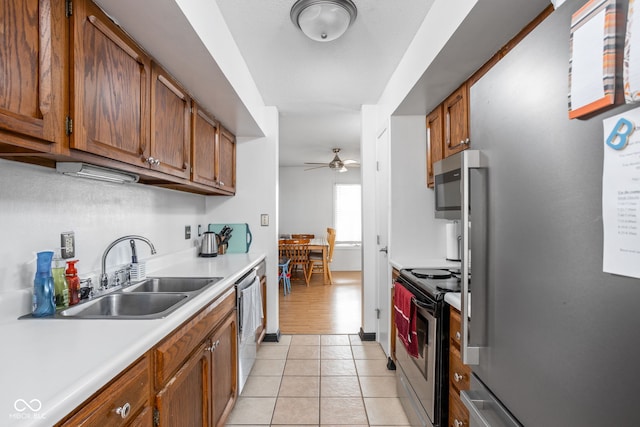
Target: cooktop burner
x: 431, y: 274
x: 436, y: 282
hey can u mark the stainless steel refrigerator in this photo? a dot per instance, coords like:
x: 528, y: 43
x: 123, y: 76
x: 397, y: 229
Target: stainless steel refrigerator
x: 558, y: 340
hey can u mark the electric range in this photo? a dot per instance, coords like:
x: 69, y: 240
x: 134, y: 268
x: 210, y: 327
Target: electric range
x: 422, y: 379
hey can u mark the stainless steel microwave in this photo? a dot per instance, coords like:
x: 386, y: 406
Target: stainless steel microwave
x: 448, y: 187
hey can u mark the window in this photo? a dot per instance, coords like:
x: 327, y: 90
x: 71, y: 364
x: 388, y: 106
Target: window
x: 347, y: 213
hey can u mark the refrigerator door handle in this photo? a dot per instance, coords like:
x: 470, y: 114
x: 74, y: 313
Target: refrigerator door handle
x: 471, y: 160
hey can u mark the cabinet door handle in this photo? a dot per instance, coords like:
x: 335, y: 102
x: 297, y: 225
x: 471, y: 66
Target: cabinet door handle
x: 458, y: 423
x: 124, y: 410
x: 458, y: 336
x: 457, y: 377
x: 221, y: 183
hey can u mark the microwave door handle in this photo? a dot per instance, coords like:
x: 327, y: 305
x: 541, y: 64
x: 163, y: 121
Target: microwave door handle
x: 472, y: 160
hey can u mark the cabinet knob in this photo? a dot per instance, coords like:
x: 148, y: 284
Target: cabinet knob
x: 457, y: 377
x: 458, y: 336
x: 124, y: 410
x: 221, y: 183
x: 458, y: 423
x: 152, y: 161
x: 213, y: 346
x: 465, y: 142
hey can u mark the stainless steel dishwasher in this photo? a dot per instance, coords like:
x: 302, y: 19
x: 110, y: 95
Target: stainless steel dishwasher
x: 249, y: 312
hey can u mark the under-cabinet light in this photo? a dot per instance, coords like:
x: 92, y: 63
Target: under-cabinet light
x: 83, y: 170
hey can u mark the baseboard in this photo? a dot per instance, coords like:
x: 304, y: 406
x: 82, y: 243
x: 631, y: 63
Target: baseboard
x: 272, y: 337
x: 366, y: 336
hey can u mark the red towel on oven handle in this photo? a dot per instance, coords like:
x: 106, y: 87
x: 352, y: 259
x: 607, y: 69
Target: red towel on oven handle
x: 405, y: 317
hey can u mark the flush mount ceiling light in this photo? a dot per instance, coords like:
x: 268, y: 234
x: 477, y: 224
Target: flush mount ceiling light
x: 83, y: 170
x: 323, y: 20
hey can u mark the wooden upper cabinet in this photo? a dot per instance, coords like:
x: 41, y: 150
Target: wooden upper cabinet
x: 32, y: 74
x: 226, y: 161
x: 456, y: 123
x: 213, y: 152
x: 110, y: 87
x: 170, y: 125
x: 204, y: 133
x: 435, y: 141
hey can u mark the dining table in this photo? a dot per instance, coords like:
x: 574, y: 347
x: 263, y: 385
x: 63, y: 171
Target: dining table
x: 321, y: 244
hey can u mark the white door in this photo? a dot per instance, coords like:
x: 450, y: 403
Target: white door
x: 383, y: 278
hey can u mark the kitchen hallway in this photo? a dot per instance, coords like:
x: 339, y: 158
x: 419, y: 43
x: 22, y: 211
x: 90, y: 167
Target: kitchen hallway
x: 319, y: 380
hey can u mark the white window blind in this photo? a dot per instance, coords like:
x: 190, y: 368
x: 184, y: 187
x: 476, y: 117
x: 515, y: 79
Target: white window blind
x: 347, y: 212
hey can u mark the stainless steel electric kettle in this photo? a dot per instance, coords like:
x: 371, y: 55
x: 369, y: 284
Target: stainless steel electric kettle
x: 209, y: 245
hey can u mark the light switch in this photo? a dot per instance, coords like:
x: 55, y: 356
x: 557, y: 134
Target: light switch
x: 264, y: 220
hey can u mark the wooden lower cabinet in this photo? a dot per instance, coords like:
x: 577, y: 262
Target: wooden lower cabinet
x: 459, y: 373
x: 184, y: 399
x: 123, y: 402
x: 203, y: 355
x: 224, y: 385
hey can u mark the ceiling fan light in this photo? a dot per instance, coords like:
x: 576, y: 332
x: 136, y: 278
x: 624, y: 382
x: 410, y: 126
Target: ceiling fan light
x: 323, y: 20
x: 342, y: 169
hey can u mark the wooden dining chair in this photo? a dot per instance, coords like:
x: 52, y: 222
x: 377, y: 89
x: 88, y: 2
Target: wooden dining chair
x: 317, y: 263
x: 297, y: 252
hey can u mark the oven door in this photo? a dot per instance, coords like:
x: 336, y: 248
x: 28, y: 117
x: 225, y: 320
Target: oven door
x: 420, y: 372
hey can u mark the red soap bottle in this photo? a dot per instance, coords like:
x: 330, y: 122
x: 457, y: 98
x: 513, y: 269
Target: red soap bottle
x: 73, y: 281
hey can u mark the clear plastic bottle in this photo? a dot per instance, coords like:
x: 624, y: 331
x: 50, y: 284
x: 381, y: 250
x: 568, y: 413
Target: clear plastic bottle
x: 60, y: 283
x: 43, y: 293
x: 73, y: 281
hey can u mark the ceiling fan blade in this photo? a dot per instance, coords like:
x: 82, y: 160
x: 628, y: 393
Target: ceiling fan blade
x: 350, y: 162
x: 312, y: 163
x: 317, y: 167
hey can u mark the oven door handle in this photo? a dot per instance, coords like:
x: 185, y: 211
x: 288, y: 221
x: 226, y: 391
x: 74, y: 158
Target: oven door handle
x: 431, y: 307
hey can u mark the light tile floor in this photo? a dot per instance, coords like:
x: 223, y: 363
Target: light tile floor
x: 319, y: 380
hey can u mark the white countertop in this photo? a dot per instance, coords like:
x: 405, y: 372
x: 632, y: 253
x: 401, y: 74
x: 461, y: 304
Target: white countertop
x: 61, y: 362
x: 453, y: 299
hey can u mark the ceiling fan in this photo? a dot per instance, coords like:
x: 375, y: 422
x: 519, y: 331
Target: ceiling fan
x: 337, y: 164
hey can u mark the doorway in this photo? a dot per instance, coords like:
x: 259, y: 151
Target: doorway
x: 306, y: 205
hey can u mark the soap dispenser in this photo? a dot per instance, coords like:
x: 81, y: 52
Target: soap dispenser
x: 43, y: 293
x: 73, y: 281
x: 60, y: 282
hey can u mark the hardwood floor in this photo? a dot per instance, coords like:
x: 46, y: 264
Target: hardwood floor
x: 323, y: 309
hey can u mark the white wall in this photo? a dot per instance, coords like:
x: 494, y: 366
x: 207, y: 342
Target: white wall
x: 415, y: 233
x: 306, y: 206
x: 37, y: 204
x: 256, y: 194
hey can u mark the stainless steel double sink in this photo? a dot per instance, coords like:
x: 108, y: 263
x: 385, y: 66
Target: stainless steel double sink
x: 153, y: 298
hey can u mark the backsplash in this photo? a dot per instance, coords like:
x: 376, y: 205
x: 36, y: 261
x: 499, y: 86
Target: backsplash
x: 37, y: 204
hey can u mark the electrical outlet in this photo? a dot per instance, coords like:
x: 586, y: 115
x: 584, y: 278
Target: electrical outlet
x: 187, y: 232
x: 264, y: 220
x: 67, y: 245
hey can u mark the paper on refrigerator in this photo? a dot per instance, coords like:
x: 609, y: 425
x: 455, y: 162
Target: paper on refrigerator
x: 621, y: 194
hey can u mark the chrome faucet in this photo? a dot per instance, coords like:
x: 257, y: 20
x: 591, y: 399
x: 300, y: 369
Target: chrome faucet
x: 104, y: 280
